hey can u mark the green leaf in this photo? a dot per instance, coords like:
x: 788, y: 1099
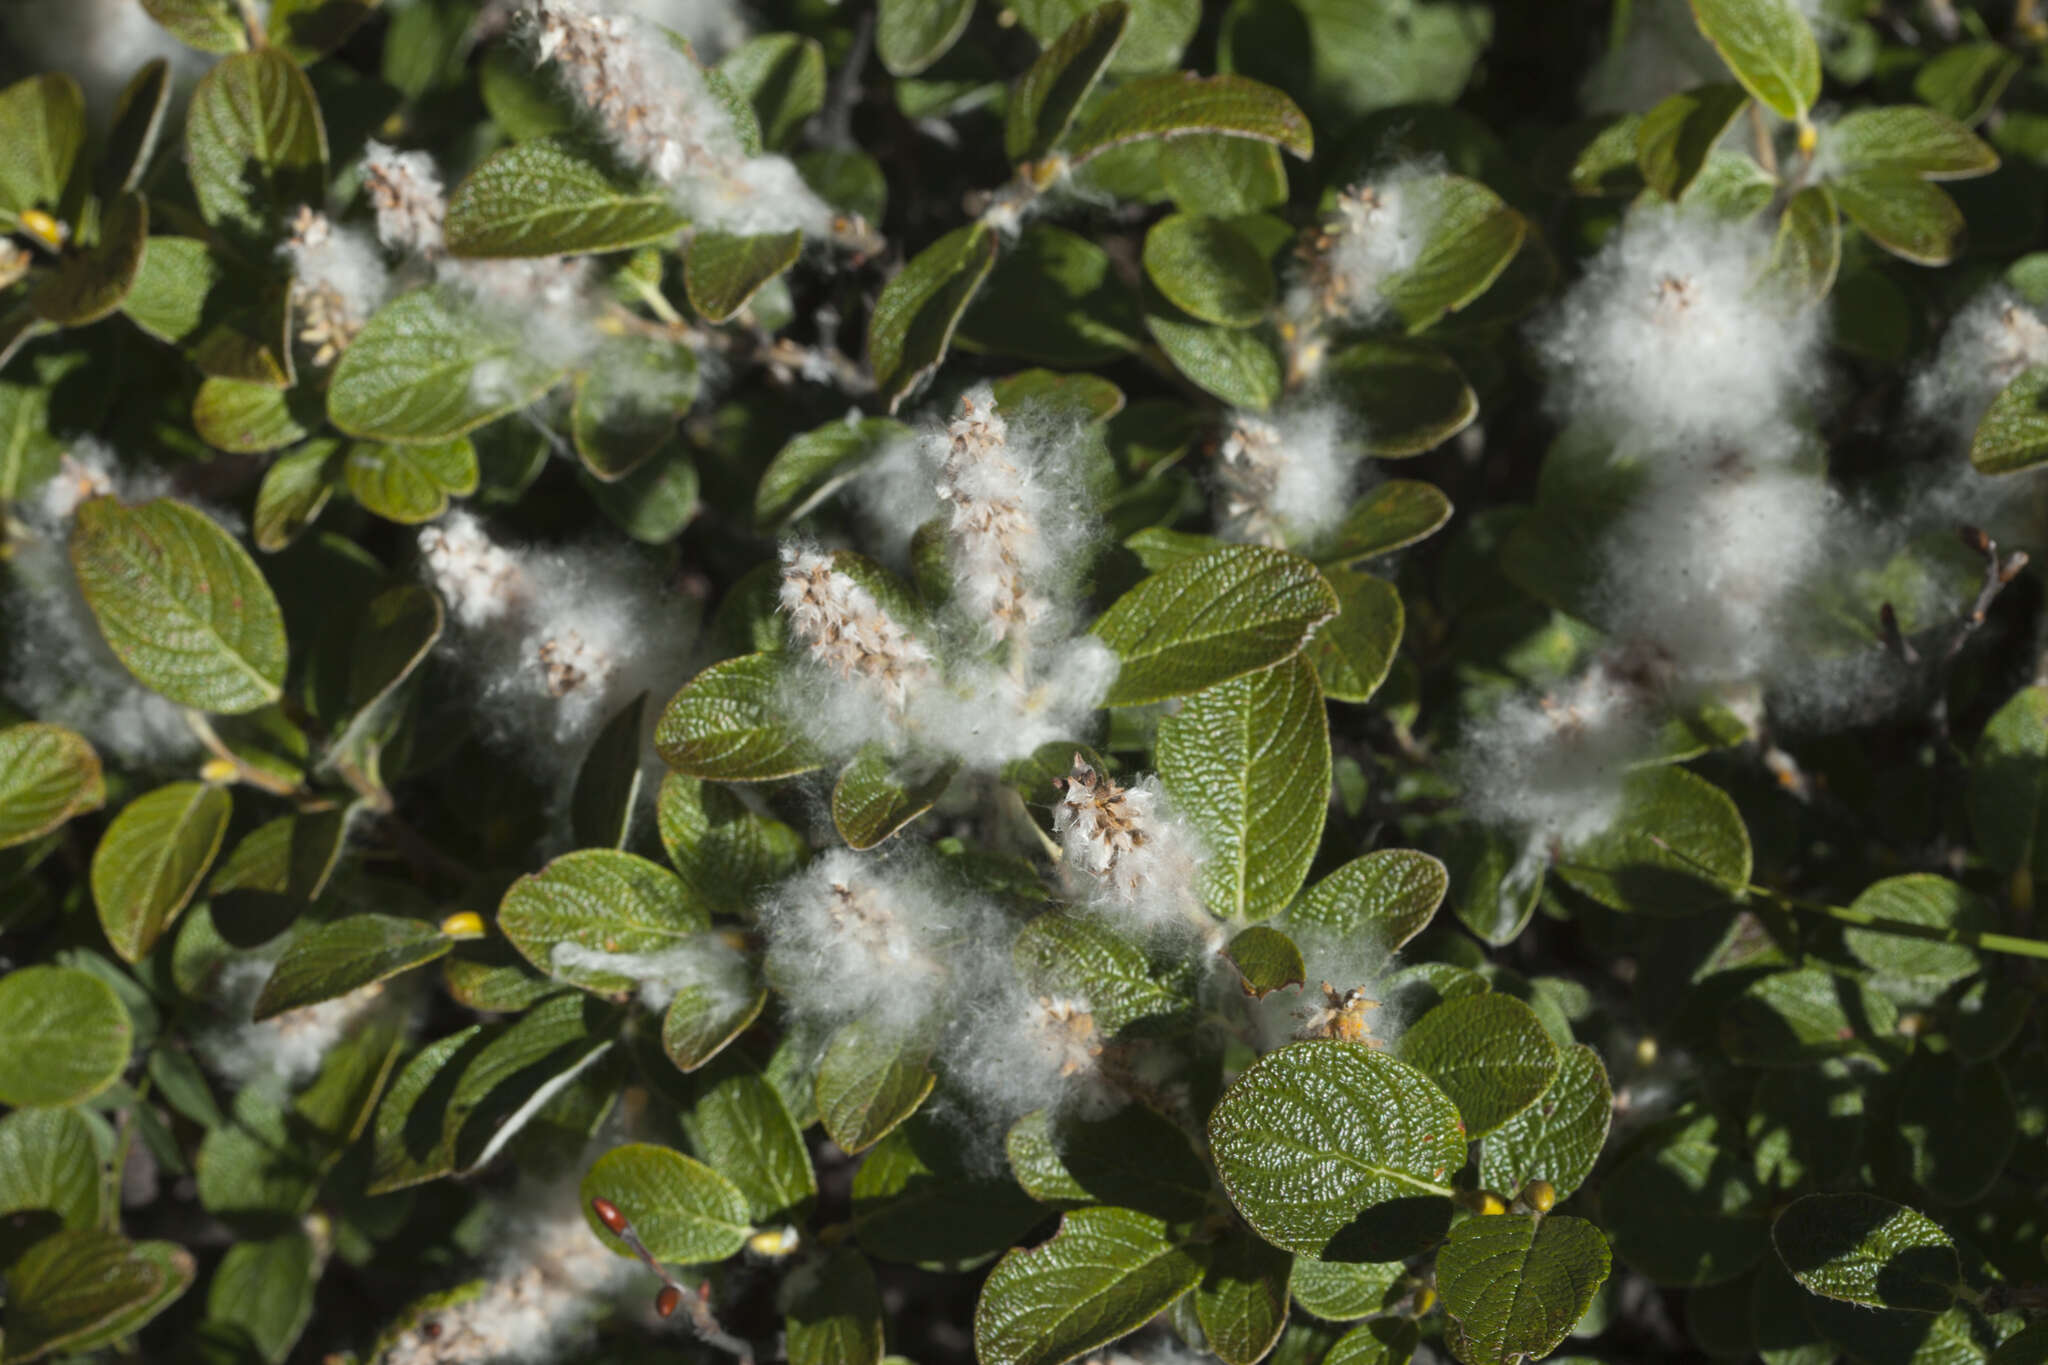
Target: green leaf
x: 1183, y: 104
x: 874, y: 1075
x: 1806, y: 253
x: 1104, y: 1273
x: 42, y: 118
x: 246, y: 418
x: 265, y: 1288
x: 48, y: 775
x: 1218, y: 616
x: 654, y: 502
x: 1317, y: 1134
x: 727, y: 724
x: 1241, y: 1302
x: 151, y: 860
x: 1559, y: 1137
x: 307, y: 30
x: 1224, y: 176
x: 739, y: 1125
x: 783, y: 76
x: 1469, y: 237
x: 181, y: 604
x: 1862, y: 1249
x: 1248, y: 763
x: 1674, y: 138
x: 329, y: 960
x: 2013, y: 433
x: 413, y: 1141
x: 1769, y: 47
x: 254, y: 144
x: 90, y: 284
x: 1235, y: 364
x: 410, y: 484
x: 1678, y: 845
x: 913, y: 320
x: 602, y: 902
x: 720, y: 1001
x: 833, y: 1312
x: 1267, y: 959
x: 816, y: 464
x: 1902, y: 213
x: 1389, y: 1341
x: 1343, y: 1291
x: 1066, y: 952
x: 513, y: 1075
x: 916, y: 1199
x: 69, y: 1285
x: 721, y: 271
x: 1489, y: 1053
x: 683, y: 1210
x: 64, y: 1037
x: 1958, y: 1125
x: 1056, y: 298
x: 1682, y: 1207
x: 628, y: 402
x: 1906, y: 137
x: 723, y: 850
x: 1209, y: 270
x: 413, y: 373
x: 1920, y: 898
x: 169, y: 297
x: 1966, y: 81
x: 877, y: 795
x: 912, y: 34
x: 1410, y: 396
x: 553, y: 196
x: 1043, y: 105
x: 608, y: 781
x: 1388, y: 896
x: 1353, y: 653
x: 1159, y: 29
x: 1798, y: 1017
x: 398, y: 628
x: 209, y: 25
x: 50, y: 1164
x: 1131, y: 1158
x: 1514, y: 1287
x: 2009, y: 779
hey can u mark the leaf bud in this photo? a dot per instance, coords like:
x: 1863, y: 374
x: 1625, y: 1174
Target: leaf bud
x: 1540, y: 1196
x: 46, y: 229
x: 665, y: 1302
x: 608, y: 1214
x: 469, y: 924
x: 774, y: 1241
x: 218, y: 771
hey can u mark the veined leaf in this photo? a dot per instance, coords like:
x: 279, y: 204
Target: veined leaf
x: 64, y: 1037
x: 1489, y: 1053
x: 48, y: 775
x: 151, y: 860
x: 1106, y: 1272
x: 683, y: 1210
x: 595, y: 903
x: 1048, y: 96
x: 254, y: 143
x: 329, y: 960
x: 1769, y: 47
x: 1863, y: 1249
x: 553, y: 196
x: 912, y: 325
x: 427, y: 367
x: 1559, y: 1137
x: 727, y: 725
x: 1183, y: 104
x: 1515, y: 1286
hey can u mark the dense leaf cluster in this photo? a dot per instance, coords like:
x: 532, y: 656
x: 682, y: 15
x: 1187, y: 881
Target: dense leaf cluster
x: 767, y: 698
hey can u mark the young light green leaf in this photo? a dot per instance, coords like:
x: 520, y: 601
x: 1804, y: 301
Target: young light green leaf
x: 1918, y: 898
x: 326, y: 961
x: 1675, y: 136
x: 554, y: 196
x: 1238, y: 365
x: 152, y: 859
x: 1863, y: 1249
x: 1224, y: 176
x: 1218, y: 616
x: 1559, y: 1137
x: 1317, y: 1134
x: 727, y: 724
x: 48, y: 775
x: 209, y: 25
x: 1679, y: 844
x: 1106, y: 1272
x: 833, y: 1313
x: 243, y: 417
x: 913, y: 321
x: 683, y: 1210
x: 1353, y: 653
x: 1513, y: 1287
x: 1241, y: 1301
x: 181, y: 604
x: 1267, y: 959
x: 1048, y: 96
x: 721, y: 271
x: 1906, y: 137
x: 410, y: 484
x: 1489, y: 1053
x: 2013, y: 434
x: 874, y: 1075
x: 43, y: 119
x: 1769, y: 47
x: 1411, y: 396
x: 587, y: 905
x: 912, y: 34
x: 64, y: 1037
x: 877, y: 795
x: 49, y: 1162
x: 1182, y: 104
x: 1208, y: 269
x: 1902, y: 213
x: 1248, y: 762
x: 65, y: 1288
x: 265, y: 1289
x: 254, y: 143
x: 1391, y: 894
x: 427, y: 367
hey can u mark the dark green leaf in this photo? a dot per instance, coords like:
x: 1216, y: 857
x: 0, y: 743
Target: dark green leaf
x: 1183, y: 104
x: 1388, y: 896
x: 69, y: 1285
x: 1515, y: 1286
x: 1862, y: 1249
x: 329, y: 960
x: 1806, y: 252
x: 1353, y: 653
x: 739, y: 1125
x: 1489, y: 1053
x: 1469, y: 237
x: 727, y: 725
x: 913, y: 321
x: 721, y: 272
x: 723, y: 850
x: 1674, y: 137
x: 912, y: 34
x: 874, y: 1075
x: 1208, y: 269
x: 254, y: 143
x: 783, y: 76
x: 1106, y: 1272
x: 2013, y: 434
x: 246, y: 418
x: 627, y: 405
x: 1132, y: 1158
x: 608, y: 782
x: 1559, y: 1137
x: 1236, y: 364
x: 412, y: 373
x: 42, y: 118
x: 877, y: 795
x: 586, y: 906
x: 1241, y: 1302
x: 553, y: 196
x: 90, y: 284
x: 1679, y: 844
x: 1045, y: 101
x: 1410, y: 397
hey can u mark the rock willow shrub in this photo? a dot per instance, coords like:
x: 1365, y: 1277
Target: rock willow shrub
x: 685, y: 682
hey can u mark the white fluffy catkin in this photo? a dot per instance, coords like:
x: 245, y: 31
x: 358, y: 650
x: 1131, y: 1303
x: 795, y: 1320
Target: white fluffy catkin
x: 284, y: 1051
x: 1123, y: 849
x: 1288, y: 479
x: 338, y: 279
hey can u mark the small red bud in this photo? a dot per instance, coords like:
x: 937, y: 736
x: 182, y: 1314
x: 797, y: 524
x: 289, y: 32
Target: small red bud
x: 665, y: 1302
x: 608, y: 1213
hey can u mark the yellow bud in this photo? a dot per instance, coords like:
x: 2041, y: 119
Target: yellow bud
x: 1540, y: 1195
x: 1425, y: 1299
x: 1491, y: 1204
x: 219, y: 771
x: 44, y: 228
x: 1809, y: 138
x: 463, y: 924
x: 774, y: 1242
x: 1646, y: 1051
